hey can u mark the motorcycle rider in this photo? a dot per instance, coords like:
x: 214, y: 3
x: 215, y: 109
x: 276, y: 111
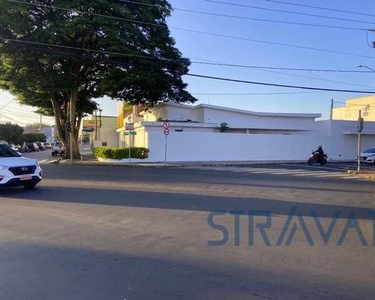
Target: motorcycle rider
x: 320, y: 153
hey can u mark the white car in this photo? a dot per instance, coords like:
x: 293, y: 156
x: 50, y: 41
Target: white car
x: 368, y: 155
x: 16, y: 170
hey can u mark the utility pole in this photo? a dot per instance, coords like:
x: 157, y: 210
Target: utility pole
x: 331, y: 115
x: 96, y: 125
x: 41, y: 122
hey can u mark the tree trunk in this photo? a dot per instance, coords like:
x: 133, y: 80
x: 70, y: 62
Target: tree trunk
x: 61, y: 118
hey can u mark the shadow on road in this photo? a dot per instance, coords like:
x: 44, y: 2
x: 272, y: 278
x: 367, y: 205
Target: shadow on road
x: 181, y: 201
x: 76, y: 273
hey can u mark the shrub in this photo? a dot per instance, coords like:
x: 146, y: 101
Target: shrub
x: 120, y: 153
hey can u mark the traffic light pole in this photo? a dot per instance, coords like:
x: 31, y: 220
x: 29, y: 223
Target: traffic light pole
x: 360, y: 128
x: 71, y: 133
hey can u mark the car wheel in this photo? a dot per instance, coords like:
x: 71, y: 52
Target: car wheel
x: 30, y: 186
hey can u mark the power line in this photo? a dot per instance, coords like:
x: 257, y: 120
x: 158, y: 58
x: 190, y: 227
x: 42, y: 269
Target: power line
x: 310, y: 77
x: 281, y: 68
x: 271, y: 21
x: 276, y: 43
x: 194, y: 75
x: 254, y: 94
x: 288, y: 12
x: 278, y: 85
x: 166, y: 59
x: 322, y: 8
x: 7, y: 104
x: 217, y: 35
x: 9, y: 118
x: 302, y: 76
x: 207, y: 62
x: 195, y: 12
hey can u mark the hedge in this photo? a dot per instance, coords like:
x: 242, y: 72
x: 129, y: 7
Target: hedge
x: 120, y: 153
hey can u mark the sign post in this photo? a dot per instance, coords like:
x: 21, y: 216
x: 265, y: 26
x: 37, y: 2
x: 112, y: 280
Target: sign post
x: 129, y: 127
x: 360, y: 128
x: 166, y: 126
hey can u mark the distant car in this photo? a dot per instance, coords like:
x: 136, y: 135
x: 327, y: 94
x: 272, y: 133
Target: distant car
x: 47, y: 145
x: 16, y: 170
x: 58, y: 149
x: 30, y: 147
x: 40, y: 146
x: 368, y: 155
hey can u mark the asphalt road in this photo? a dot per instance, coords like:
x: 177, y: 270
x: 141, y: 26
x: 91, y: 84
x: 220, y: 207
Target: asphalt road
x: 143, y: 233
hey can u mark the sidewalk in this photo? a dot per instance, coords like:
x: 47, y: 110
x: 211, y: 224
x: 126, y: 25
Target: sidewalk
x: 91, y: 160
x: 366, y: 174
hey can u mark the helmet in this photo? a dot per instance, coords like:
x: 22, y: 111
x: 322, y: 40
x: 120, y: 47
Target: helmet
x: 320, y: 147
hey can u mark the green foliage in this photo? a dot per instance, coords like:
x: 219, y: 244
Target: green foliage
x: 86, y: 138
x: 34, y: 137
x: 121, y: 153
x: 223, y: 127
x: 35, y: 72
x: 148, y: 69
x: 11, y: 133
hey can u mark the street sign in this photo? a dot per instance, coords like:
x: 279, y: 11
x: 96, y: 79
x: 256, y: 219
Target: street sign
x: 129, y: 126
x: 166, y: 125
x: 166, y: 131
x: 130, y: 133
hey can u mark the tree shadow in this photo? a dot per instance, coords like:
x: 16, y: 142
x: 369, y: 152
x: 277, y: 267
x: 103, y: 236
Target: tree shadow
x: 166, y: 175
x: 181, y: 201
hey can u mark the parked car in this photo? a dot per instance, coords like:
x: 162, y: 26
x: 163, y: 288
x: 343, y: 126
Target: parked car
x: 30, y: 147
x: 40, y: 146
x: 368, y: 155
x: 47, y: 145
x: 16, y: 170
x: 58, y: 149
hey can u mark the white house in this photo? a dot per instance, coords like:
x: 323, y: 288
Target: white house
x: 195, y: 134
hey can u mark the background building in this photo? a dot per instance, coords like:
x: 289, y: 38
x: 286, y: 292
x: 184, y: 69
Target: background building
x: 49, y: 132
x: 350, y: 111
x: 196, y: 134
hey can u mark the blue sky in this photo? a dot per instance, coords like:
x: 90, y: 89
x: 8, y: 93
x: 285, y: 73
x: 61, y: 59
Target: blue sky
x: 224, y: 50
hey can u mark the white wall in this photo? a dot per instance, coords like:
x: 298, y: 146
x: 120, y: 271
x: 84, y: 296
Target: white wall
x: 107, y: 133
x: 188, y: 146
x: 181, y: 114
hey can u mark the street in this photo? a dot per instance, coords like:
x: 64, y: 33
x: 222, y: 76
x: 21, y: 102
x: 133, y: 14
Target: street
x: 96, y: 232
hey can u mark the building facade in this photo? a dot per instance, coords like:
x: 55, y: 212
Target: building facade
x: 350, y: 112
x: 214, y: 133
x: 49, y: 132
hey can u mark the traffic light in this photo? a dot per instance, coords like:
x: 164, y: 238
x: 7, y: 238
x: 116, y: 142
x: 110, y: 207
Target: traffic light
x: 360, y: 124
x: 68, y: 127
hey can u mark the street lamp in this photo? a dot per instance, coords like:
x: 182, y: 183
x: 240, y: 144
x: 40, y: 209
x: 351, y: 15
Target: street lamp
x: 360, y: 66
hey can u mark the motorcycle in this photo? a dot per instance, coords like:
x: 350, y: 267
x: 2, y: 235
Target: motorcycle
x: 315, y: 157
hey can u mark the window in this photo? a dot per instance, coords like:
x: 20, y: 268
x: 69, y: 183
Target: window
x: 370, y: 150
x: 5, y: 151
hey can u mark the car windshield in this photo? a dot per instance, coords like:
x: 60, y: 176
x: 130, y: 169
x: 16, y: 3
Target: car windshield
x: 370, y: 150
x: 5, y: 151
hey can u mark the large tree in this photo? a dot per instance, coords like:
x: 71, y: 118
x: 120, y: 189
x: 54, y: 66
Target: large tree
x: 129, y: 55
x: 11, y: 133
